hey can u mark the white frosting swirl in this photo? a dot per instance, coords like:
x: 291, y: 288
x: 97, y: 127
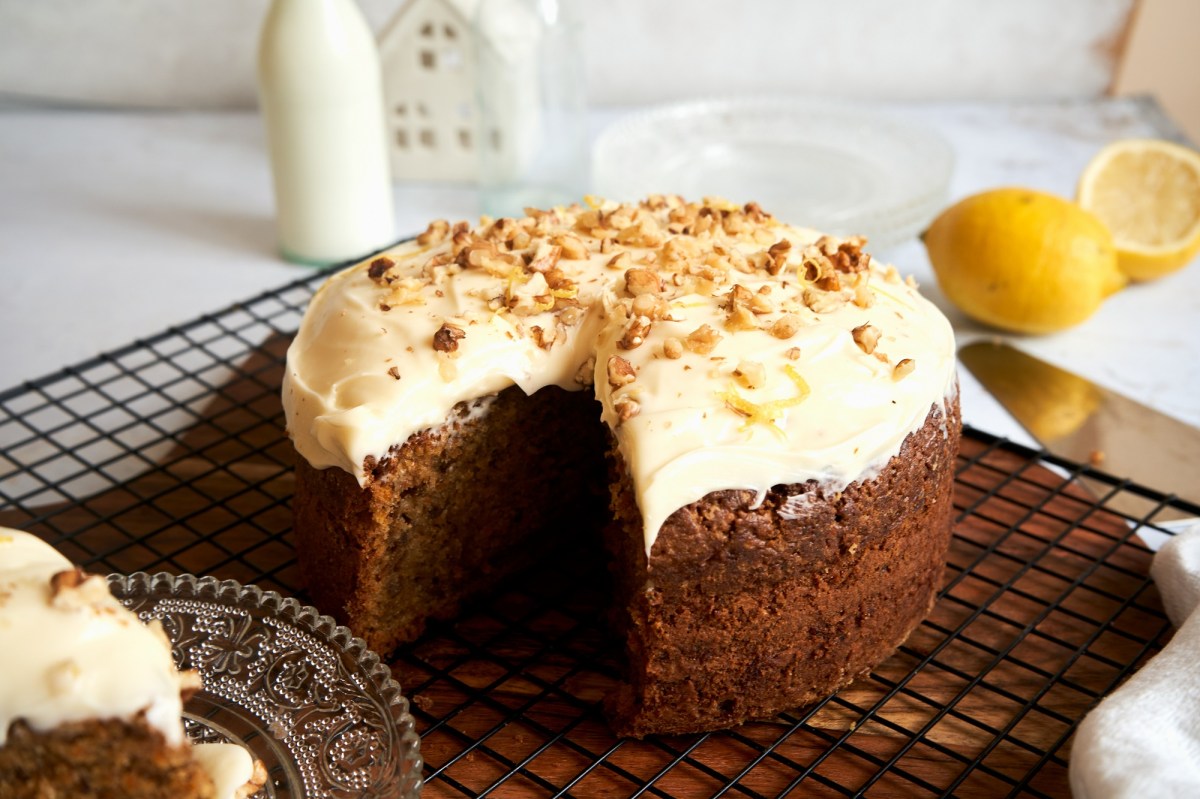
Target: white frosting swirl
x: 363, y: 374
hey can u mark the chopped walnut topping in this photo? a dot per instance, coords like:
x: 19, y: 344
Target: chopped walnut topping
x: 64, y: 580
x: 447, y: 337
x: 755, y: 213
x: 571, y: 316
x: 436, y: 233
x: 642, y: 281
x: 786, y: 326
x: 621, y: 260
x: 750, y: 374
x: 863, y: 296
x: 822, y: 301
x: 585, y: 375
x: 573, y: 249
x: 620, y: 371
x: 761, y: 303
x: 626, y: 408
x: 394, y: 372
x: 673, y: 348
x: 903, y: 369
x: 650, y: 305
x: 75, y: 588
x: 740, y: 318
x: 545, y: 256
x: 829, y: 282
x: 543, y: 337
x: 635, y: 333
x: 866, y: 337
x: 777, y: 256
x: 793, y: 353
x: 606, y: 245
x: 680, y: 250
x: 645, y: 233
x: 738, y: 296
x: 702, y: 340
x: 847, y: 255
x: 377, y: 271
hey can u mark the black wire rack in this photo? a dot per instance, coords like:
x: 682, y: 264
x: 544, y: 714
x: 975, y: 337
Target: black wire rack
x: 169, y: 454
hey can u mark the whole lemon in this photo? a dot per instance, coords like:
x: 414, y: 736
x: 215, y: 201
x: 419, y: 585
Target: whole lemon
x: 1023, y: 260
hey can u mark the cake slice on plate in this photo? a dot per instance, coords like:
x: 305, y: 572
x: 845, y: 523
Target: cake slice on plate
x: 90, y: 699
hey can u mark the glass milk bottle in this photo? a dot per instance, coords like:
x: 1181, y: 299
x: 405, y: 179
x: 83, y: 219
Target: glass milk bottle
x: 322, y: 101
x: 533, y: 142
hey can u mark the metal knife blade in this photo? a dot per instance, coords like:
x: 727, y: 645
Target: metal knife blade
x: 1076, y: 419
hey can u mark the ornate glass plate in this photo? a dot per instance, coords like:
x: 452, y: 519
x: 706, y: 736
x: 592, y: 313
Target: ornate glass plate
x: 306, y: 697
x: 834, y: 167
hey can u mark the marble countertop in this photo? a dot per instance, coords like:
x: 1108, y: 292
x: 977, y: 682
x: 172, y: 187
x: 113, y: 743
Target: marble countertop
x: 115, y: 225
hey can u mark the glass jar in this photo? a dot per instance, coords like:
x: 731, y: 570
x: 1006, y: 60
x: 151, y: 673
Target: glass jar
x: 533, y: 138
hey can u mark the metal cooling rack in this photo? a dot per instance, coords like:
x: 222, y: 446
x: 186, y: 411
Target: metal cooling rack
x: 169, y: 454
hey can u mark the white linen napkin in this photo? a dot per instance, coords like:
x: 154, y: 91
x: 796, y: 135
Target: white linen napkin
x: 1144, y: 739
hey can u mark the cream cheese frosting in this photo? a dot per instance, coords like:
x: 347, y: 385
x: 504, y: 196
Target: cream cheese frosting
x: 727, y: 350
x: 70, y: 652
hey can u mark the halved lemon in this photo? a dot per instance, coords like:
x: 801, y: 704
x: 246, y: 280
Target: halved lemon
x: 1148, y: 193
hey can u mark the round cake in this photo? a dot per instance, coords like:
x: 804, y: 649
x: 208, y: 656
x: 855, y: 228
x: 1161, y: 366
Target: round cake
x: 772, y: 415
x: 90, y: 699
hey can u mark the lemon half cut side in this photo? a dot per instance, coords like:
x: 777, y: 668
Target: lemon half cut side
x: 1147, y: 192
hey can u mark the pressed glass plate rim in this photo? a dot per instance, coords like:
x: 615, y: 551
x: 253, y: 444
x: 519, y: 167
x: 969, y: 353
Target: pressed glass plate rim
x: 232, y: 593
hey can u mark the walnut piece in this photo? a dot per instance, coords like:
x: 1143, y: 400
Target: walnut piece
x: 545, y: 257
x: 750, y: 374
x: 447, y: 337
x: 573, y: 248
x: 377, y: 271
x: 394, y: 372
x: 436, y: 233
x: 635, y: 333
x: 651, y: 305
x: 626, y: 408
x: 786, y: 326
x: 585, y: 375
x: 866, y: 336
x: 702, y: 340
x: 777, y: 256
x: 620, y: 371
x: 673, y: 348
x: 642, y: 281
x: 64, y: 580
x: 903, y: 369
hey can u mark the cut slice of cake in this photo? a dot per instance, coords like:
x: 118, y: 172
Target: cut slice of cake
x: 778, y: 413
x: 90, y: 699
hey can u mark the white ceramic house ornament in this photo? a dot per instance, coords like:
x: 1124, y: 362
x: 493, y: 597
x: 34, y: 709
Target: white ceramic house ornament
x: 430, y: 80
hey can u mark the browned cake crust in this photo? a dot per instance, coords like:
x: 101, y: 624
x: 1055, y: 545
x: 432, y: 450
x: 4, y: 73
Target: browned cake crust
x: 98, y: 759
x: 742, y: 612
x: 449, y: 513
x: 739, y: 614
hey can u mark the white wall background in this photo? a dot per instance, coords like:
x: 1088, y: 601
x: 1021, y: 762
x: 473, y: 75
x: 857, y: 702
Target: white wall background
x: 200, y: 53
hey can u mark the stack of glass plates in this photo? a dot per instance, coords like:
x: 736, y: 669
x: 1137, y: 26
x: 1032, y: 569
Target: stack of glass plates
x: 834, y: 167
